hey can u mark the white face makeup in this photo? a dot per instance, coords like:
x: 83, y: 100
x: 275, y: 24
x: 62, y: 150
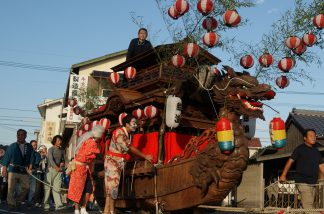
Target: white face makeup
x: 133, y: 124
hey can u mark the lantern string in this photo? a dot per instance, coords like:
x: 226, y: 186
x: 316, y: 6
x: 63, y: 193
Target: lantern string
x: 271, y: 108
x: 212, y: 102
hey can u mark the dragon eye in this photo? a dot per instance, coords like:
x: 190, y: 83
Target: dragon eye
x: 243, y: 87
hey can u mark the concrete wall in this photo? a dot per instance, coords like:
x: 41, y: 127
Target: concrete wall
x: 250, y: 193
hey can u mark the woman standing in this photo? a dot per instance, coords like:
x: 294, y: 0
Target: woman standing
x: 80, y: 186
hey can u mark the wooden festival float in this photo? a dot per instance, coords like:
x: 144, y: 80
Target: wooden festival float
x: 189, y: 168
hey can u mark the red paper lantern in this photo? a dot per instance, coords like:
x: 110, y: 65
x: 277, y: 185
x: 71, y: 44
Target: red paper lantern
x: 77, y: 110
x: 318, y: 21
x: 114, y: 77
x: 210, y: 23
x: 181, y: 6
x: 86, y: 127
x: 121, y: 117
x: 191, y: 49
x: 205, y: 6
x: 95, y: 123
x: 104, y: 122
x: 278, y: 134
x: 224, y: 134
x: 80, y: 133
x: 150, y: 111
x: 266, y: 60
x: 285, y: 64
x: 300, y: 49
x: 214, y: 71
x: 178, y: 61
x: 173, y: 13
x: 231, y: 18
x: 282, y: 82
x: 72, y: 102
x: 247, y: 61
x: 138, y: 113
x: 85, y: 120
x: 130, y: 72
x: 309, y: 39
x: 293, y: 42
x: 210, y: 39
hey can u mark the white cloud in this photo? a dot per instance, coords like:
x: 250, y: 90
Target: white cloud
x: 273, y: 10
x: 259, y: 1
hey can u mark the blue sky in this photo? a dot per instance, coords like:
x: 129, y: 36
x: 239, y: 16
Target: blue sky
x: 61, y: 33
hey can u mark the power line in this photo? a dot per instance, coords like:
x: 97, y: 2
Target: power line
x: 16, y: 109
x: 6, y: 116
x: 33, y: 66
x: 300, y: 92
x: 22, y: 125
x: 7, y: 119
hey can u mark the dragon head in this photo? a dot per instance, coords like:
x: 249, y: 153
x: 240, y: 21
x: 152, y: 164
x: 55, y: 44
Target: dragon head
x: 241, y: 93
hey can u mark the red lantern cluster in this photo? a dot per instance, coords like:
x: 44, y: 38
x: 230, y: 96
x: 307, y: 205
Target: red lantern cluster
x: 247, y: 61
x: 173, y: 13
x: 182, y: 6
x: 205, y: 6
x: 80, y: 132
x: 285, y: 64
x: 300, y: 49
x: 210, y: 23
x: 138, y: 113
x: 150, y: 111
x: 86, y: 127
x: 178, y: 61
x: 104, y: 122
x: 95, y: 123
x: 191, y: 49
x: 72, y: 102
x: 231, y: 18
x: 114, y: 77
x: 266, y: 60
x: 293, y: 42
x: 282, y: 82
x: 210, y: 39
x: 121, y: 117
x: 130, y: 73
x: 85, y: 120
x: 318, y: 21
x: 309, y: 39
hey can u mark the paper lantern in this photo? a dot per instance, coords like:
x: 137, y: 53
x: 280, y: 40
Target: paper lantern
x: 277, y: 133
x: 150, y: 111
x: 300, y: 49
x: 266, y: 60
x: 85, y: 120
x: 210, y: 39
x: 114, y: 77
x: 205, y: 6
x: 77, y: 110
x: 138, y: 113
x: 247, y: 61
x: 292, y: 42
x: 80, y: 133
x: 95, y: 123
x: 231, y: 18
x: 173, y: 13
x: 318, y: 21
x: 210, y: 23
x: 309, y: 39
x: 104, y: 122
x: 72, y: 102
x: 191, y: 49
x: 178, y: 61
x: 224, y: 134
x: 173, y: 111
x: 130, y: 73
x: 215, y: 71
x: 285, y: 64
x: 86, y: 127
x: 282, y: 82
x: 121, y: 117
x: 181, y: 6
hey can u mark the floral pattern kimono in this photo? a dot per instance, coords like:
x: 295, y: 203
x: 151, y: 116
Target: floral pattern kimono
x: 119, y: 144
x: 86, y: 154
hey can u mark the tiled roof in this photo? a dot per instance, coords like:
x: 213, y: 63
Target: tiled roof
x: 255, y: 142
x: 308, y: 119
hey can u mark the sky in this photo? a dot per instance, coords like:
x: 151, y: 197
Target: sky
x: 40, y: 40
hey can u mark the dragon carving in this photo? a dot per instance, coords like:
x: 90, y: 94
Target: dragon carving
x: 238, y: 94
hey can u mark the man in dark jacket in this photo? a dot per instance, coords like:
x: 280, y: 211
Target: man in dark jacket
x: 16, y: 162
x: 138, y: 45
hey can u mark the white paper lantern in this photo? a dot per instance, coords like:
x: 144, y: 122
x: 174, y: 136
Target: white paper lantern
x: 173, y: 111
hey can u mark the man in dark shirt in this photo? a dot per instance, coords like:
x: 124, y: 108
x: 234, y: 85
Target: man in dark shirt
x: 138, y: 45
x: 308, y: 163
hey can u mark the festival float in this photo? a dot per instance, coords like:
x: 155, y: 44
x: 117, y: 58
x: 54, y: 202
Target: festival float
x: 189, y: 120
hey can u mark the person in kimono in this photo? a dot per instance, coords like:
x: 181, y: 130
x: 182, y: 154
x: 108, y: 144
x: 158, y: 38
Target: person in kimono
x: 80, y: 186
x: 120, y: 145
